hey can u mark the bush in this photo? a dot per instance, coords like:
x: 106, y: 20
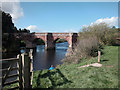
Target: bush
x: 84, y: 48
x: 92, y: 39
x: 105, y: 34
x: 87, y: 46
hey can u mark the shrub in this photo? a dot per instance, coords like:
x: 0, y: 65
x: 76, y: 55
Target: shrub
x: 85, y: 47
x: 105, y: 34
x: 92, y: 39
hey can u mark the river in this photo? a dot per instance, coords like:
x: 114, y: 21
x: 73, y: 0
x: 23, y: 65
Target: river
x: 43, y: 59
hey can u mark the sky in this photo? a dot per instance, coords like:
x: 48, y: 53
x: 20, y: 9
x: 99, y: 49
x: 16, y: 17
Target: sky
x: 61, y: 16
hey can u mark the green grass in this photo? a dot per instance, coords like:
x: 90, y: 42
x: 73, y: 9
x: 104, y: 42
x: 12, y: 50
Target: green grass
x: 10, y: 86
x: 70, y: 76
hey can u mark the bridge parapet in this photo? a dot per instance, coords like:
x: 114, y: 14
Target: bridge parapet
x: 60, y: 34
x: 40, y: 34
x: 55, y: 34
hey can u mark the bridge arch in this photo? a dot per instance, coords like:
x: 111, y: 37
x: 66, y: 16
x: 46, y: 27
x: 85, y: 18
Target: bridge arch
x: 22, y: 43
x: 38, y: 41
x: 60, y: 38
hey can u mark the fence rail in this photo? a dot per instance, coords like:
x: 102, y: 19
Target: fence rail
x: 24, y: 69
x: 10, y: 59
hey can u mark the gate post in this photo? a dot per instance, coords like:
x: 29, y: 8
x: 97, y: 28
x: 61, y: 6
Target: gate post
x: 99, y: 56
x: 19, y: 66
x: 26, y: 70
x: 31, y: 66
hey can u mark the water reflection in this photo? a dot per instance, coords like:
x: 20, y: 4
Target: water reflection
x: 40, y: 48
x: 43, y: 59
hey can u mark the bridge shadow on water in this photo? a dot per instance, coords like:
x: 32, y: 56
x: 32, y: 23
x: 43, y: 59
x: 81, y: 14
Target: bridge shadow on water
x: 56, y: 78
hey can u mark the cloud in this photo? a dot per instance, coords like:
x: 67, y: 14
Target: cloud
x: 85, y: 25
x: 113, y: 21
x: 71, y: 30
x: 13, y: 8
x: 33, y: 28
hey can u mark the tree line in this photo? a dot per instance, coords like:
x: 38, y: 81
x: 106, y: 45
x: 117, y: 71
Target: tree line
x: 10, y: 44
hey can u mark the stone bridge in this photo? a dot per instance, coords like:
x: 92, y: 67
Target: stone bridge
x: 48, y: 38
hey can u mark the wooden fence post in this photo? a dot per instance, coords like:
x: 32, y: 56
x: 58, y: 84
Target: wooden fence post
x: 99, y: 56
x: 26, y: 70
x: 19, y: 65
x: 31, y: 66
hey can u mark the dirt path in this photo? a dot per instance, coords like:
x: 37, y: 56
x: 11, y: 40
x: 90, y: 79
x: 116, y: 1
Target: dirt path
x: 94, y: 65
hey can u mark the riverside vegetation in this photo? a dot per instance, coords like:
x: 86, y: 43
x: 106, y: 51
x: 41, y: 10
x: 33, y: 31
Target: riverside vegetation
x: 68, y: 75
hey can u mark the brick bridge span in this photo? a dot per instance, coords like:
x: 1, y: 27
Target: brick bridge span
x: 49, y: 38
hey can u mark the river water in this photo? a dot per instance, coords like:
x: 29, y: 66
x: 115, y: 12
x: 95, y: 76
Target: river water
x: 43, y: 59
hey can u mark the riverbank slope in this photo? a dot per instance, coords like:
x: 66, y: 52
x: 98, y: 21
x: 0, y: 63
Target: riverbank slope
x: 71, y: 76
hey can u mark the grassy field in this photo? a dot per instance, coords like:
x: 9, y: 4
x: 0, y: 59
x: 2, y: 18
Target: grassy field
x: 70, y: 76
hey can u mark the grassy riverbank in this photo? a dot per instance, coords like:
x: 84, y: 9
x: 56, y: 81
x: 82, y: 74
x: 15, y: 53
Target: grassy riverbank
x: 70, y: 76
